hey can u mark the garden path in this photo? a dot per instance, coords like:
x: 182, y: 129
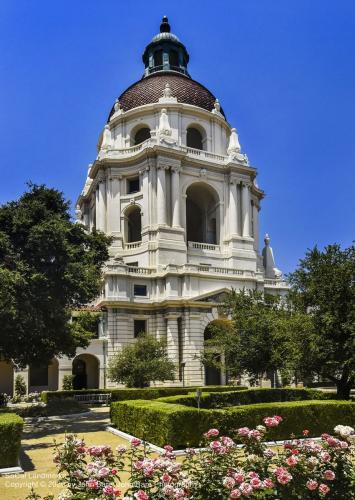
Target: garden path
x: 37, y: 452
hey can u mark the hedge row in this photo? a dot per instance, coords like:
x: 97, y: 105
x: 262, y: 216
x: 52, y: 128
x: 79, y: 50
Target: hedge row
x: 128, y: 394
x: 11, y: 426
x: 181, y: 426
x: 248, y: 397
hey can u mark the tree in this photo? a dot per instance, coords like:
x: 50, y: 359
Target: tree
x: 49, y: 266
x: 323, y: 286
x: 140, y: 363
x: 259, y: 337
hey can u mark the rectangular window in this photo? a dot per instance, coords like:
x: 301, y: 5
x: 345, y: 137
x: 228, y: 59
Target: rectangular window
x: 133, y: 185
x: 139, y: 327
x: 140, y: 290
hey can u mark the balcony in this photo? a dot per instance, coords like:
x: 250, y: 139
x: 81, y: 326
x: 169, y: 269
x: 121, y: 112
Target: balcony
x: 204, y: 246
x: 132, y: 245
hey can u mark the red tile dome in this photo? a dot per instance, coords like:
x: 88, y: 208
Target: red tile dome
x: 150, y: 88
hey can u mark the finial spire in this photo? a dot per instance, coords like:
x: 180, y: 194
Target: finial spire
x: 165, y: 26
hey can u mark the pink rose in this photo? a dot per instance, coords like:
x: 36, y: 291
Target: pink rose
x: 239, y: 477
x: 312, y: 485
x: 108, y: 490
x: 179, y: 493
x: 116, y: 492
x: 344, y: 445
x: 215, y: 445
x: 246, y: 489
x: 92, y: 484
x: 325, y: 456
x: 166, y: 478
x: 268, y: 483
x: 329, y: 475
x: 235, y: 494
x: 141, y: 495
x: 256, y: 483
x: 272, y: 421
x: 292, y: 461
x: 136, y: 442
x: 113, y: 472
x: 103, y: 472
x: 168, y: 448
x: 168, y: 490
x: 284, y: 478
x: 323, y: 489
x: 121, y: 448
x: 243, y: 431
x: 227, y: 441
x: 212, y: 433
x: 228, y: 482
x: 254, y: 434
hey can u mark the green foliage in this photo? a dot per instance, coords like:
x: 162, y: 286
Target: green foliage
x: 49, y: 266
x: 182, y: 426
x: 68, y: 382
x: 11, y: 426
x: 323, y: 285
x: 256, y: 340
x: 247, y: 397
x: 146, y: 393
x: 20, y: 386
x: 138, y: 364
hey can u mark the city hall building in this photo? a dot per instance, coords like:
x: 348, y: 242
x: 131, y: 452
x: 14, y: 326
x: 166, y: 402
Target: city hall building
x: 173, y: 187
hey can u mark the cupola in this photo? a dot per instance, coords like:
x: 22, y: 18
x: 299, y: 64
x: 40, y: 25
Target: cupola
x: 165, y: 52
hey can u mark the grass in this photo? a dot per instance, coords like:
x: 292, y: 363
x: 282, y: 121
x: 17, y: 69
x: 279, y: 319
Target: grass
x: 37, y: 446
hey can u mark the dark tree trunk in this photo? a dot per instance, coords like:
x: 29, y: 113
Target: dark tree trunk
x: 344, y: 388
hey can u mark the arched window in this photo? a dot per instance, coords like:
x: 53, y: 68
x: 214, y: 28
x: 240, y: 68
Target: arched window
x: 173, y: 59
x: 158, y: 58
x: 202, y: 214
x: 194, y: 138
x: 141, y: 135
x: 133, y: 225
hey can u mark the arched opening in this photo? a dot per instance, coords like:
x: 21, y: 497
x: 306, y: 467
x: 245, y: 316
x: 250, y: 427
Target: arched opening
x: 86, y: 372
x: 133, y: 224
x: 194, y: 138
x: 212, y: 371
x: 6, y: 378
x: 158, y: 58
x: 141, y: 135
x: 202, y: 214
x: 174, y: 59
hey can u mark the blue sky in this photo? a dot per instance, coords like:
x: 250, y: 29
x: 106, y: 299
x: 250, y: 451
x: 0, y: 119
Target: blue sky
x: 283, y: 71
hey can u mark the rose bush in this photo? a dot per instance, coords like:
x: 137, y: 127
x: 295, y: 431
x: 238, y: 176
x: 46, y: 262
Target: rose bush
x: 238, y: 467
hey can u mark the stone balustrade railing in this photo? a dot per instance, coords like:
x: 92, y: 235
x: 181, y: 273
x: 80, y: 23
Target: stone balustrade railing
x: 197, y: 153
x: 203, y: 246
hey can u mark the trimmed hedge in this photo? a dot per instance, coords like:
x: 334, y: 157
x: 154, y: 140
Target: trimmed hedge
x: 128, y: 394
x: 248, y: 397
x: 182, y: 426
x: 11, y: 426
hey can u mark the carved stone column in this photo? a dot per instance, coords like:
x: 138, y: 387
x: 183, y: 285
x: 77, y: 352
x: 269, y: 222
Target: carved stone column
x: 175, y: 196
x: 161, y: 194
x: 245, y: 210
x: 172, y: 337
x: 144, y: 173
x: 256, y: 226
x: 233, y: 208
x: 114, y: 203
x: 101, y: 204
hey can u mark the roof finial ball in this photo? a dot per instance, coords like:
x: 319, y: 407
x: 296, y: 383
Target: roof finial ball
x: 164, y: 26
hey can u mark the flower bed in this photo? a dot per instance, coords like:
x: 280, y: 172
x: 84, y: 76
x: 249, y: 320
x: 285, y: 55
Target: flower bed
x: 11, y: 426
x: 184, y: 426
x: 127, y: 394
x: 301, y: 469
x: 210, y: 400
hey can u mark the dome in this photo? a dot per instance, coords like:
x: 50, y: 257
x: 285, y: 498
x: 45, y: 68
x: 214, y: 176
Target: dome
x: 149, y: 89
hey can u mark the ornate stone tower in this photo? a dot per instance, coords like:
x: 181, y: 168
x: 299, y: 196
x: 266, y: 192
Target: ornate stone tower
x: 180, y: 199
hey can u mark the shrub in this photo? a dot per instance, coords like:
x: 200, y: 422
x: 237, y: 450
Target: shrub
x: 68, y: 382
x: 181, y: 425
x: 20, y: 386
x: 11, y: 426
x: 127, y: 394
x: 302, y: 470
x: 247, y: 397
x: 4, y: 399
